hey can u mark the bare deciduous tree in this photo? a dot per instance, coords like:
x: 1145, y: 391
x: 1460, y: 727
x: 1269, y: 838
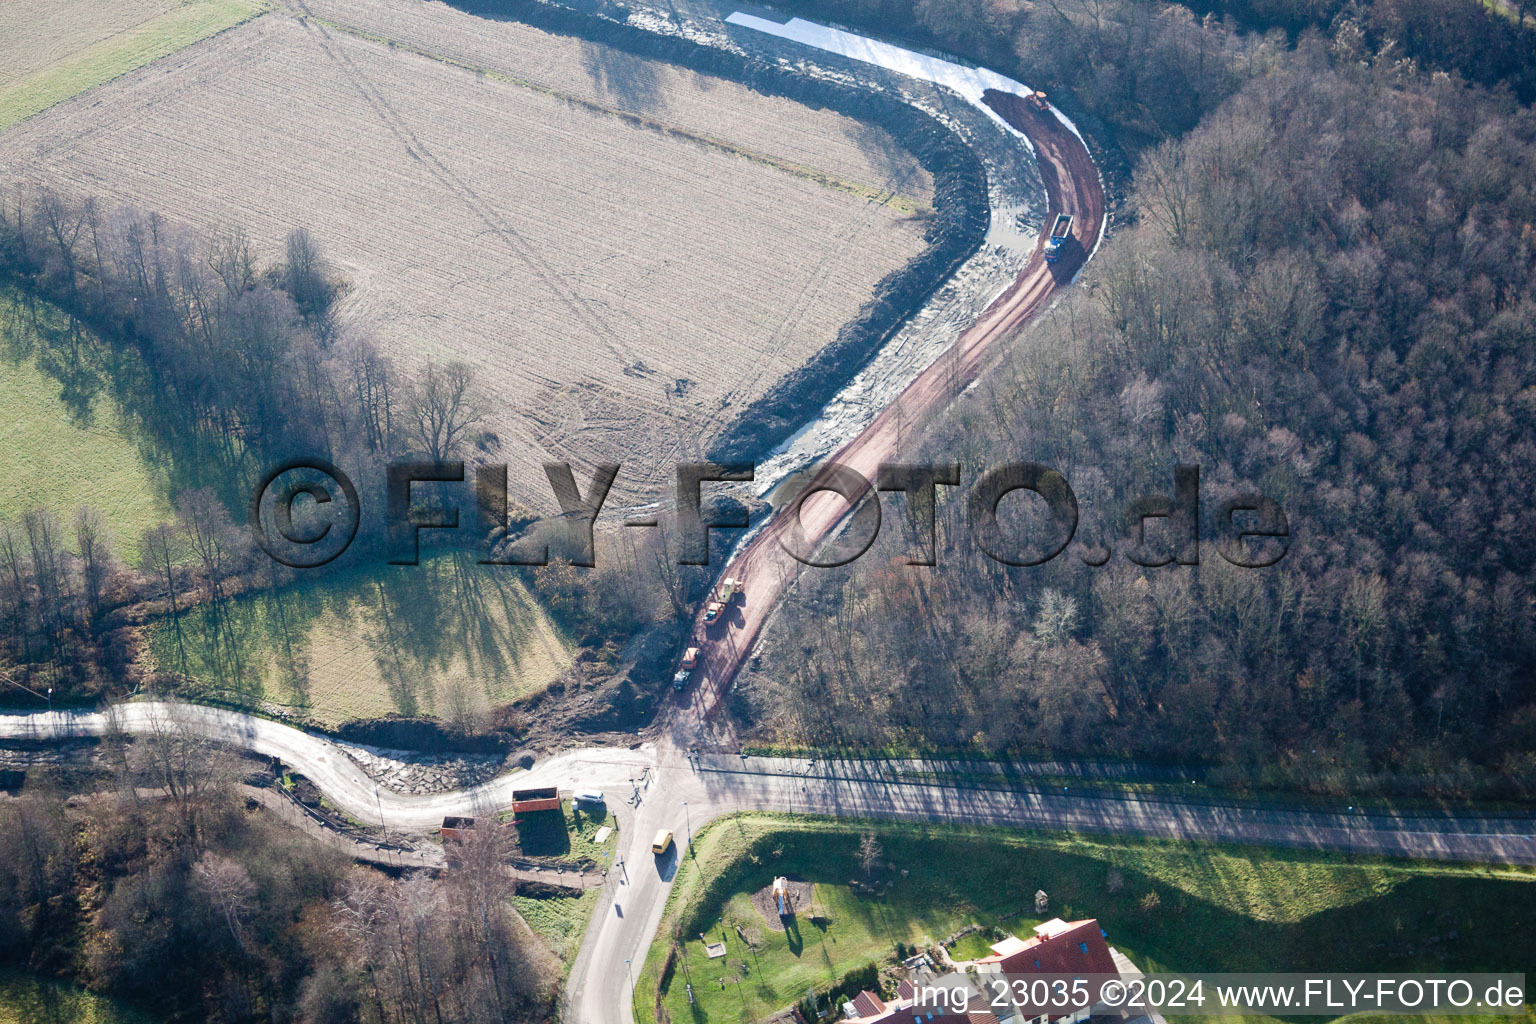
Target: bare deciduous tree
x: 869, y: 853
x: 175, y: 755
x: 228, y: 889
x: 95, y: 558
x: 212, y: 536
x: 445, y: 405
x: 159, y: 553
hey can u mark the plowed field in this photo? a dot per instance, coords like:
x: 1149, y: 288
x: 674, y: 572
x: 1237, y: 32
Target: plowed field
x: 628, y: 252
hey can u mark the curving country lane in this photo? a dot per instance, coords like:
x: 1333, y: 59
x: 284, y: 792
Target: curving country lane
x: 661, y: 785
x: 655, y: 786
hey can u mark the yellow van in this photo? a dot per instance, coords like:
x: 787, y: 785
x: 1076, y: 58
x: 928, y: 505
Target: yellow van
x: 663, y: 841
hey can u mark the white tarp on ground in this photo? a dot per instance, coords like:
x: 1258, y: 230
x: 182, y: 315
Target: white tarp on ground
x: 968, y: 82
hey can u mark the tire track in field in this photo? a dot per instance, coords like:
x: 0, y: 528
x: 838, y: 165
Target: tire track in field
x: 779, y: 339
x: 781, y: 336
x: 445, y: 176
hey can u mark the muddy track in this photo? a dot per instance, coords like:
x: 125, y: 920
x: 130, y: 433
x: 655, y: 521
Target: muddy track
x: 1073, y: 186
x: 409, y: 852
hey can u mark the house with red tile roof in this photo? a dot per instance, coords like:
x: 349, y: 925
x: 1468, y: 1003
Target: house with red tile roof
x: 1073, y: 948
x: 1065, y: 948
x: 1058, y: 947
x: 962, y: 1004
x: 868, y: 1006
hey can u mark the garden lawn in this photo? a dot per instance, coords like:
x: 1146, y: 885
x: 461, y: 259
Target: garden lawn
x: 1168, y: 906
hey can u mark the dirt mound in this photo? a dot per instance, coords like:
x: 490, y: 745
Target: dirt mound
x: 797, y: 899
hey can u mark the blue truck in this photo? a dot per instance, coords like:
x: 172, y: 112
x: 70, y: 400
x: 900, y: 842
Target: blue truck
x: 1061, y: 234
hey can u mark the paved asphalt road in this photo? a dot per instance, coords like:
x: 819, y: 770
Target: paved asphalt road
x: 659, y: 786
x: 647, y: 789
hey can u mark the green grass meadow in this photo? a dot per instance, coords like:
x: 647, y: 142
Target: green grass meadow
x: 1168, y: 906
x: 560, y: 921
x: 447, y: 639
x: 569, y: 838
x: 65, y: 445
x: 124, y: 52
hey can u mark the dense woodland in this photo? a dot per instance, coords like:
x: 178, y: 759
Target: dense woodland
x: 1323, y: 293
x: 1150, y: 70
x: 1320, y: 288
x: 162, y: 888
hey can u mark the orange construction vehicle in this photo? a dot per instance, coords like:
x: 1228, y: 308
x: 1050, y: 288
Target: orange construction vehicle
x: 690, y: 662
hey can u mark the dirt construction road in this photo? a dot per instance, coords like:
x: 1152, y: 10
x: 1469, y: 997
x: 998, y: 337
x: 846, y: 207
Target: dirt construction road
x: 1073, y: 186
